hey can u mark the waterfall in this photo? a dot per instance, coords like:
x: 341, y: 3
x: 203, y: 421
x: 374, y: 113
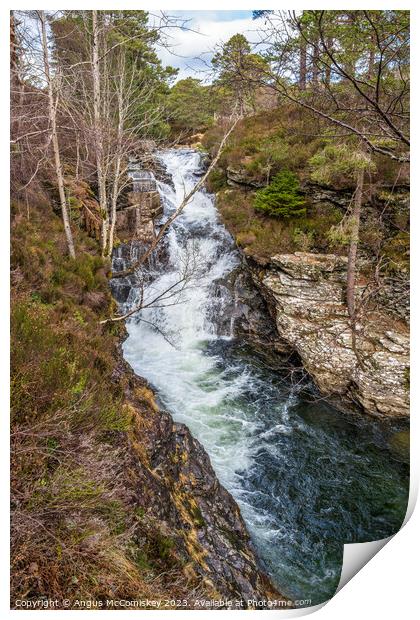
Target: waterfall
x: 305, y: 477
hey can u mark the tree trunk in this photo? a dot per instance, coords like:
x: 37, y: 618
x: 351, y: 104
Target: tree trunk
x: 14, y: 56
x: 328, y: 67
x: 114, y: 200
x: 52, y: 114
x: 98, y: 132
x: 315, y: 65
x: 16, y: 91
x: 354, y: 241
x: 302, y: 64
x: 115, y: 189
x: 371, y: 63
x: 16, y: 83
x: 350, y: 62
x: 122, y: 109
x: 77, y: 156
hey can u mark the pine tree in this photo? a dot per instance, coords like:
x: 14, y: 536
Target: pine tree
x: 282, y: 197
x: 239, y: 70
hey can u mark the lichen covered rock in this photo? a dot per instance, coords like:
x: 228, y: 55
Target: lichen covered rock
x: 370, y: 367
x: 178, y: 487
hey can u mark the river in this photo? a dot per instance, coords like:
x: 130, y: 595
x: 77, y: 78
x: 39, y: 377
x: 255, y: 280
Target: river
x: 307, y: 477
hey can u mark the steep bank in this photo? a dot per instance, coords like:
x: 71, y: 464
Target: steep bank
x: 177, y: 487
x: 111, y: 498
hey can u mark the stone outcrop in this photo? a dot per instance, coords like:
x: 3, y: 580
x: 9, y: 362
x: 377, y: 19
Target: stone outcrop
x: 136, y: 220
x: 244, y: 312
x: 306, y: 293
x: 240, y: 177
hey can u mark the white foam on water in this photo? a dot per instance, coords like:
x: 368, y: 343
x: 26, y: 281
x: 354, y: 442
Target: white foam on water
x: 196, y: 386
x: 190, y: 381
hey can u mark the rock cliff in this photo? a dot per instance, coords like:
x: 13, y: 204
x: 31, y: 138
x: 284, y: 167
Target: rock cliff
x: 137, y: 219
x: 306, y: 294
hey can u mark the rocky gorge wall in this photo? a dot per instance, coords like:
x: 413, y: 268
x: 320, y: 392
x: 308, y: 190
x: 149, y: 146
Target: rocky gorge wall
x: 136, y: 219
x: 306, y: 294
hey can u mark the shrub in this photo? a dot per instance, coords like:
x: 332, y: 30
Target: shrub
x: 217, y: 179
x: 282, y: 197
x: 245, y: 238
x: 303, y: 240
x: 338, y: 165
x: 397, y: 253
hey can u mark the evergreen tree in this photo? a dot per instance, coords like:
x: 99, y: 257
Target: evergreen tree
x: 190, y: 106
x: 239, y: 71
x: 282, y: 197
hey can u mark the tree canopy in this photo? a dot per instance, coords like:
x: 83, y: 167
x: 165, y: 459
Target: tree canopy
x: 239, y: 71
x: 190, y: 106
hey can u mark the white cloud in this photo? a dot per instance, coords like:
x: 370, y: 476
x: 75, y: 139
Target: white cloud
x: 191, y: 52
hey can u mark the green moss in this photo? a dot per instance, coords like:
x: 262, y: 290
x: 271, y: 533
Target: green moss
x: 164, y: 546
x: 142, y: 561
x: 79, y: 317
x: 86, y: 267
x: 407, y: 377
x: 52, y: 444
x: 399, y: 444
x: 397, y: 253
x: 197, y: 516
x: 139, y: 512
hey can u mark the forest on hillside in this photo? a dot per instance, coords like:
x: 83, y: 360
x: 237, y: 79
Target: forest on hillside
x: 289, y: 152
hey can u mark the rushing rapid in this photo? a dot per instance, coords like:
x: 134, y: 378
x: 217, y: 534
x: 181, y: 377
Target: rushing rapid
x: 306, y: 477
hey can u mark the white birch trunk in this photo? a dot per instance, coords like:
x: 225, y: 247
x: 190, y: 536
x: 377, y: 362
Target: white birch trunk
x: 117, y: 170
x: 98, y: 132
x: 52, y: 114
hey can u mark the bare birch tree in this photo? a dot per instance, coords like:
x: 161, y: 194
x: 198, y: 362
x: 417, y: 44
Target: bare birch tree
x: 97, y: 105
x: 52, y: 113
x: 122, y: 109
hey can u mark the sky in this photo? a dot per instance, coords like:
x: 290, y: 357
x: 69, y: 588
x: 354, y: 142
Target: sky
x: 191, y: 52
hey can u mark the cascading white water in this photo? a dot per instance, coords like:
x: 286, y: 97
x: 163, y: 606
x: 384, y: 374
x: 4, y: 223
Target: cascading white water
x: 173, y: 358
x: 305, y: 478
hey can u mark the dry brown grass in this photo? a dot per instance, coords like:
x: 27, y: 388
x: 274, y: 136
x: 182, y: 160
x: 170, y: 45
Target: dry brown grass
x: 79, y: 529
